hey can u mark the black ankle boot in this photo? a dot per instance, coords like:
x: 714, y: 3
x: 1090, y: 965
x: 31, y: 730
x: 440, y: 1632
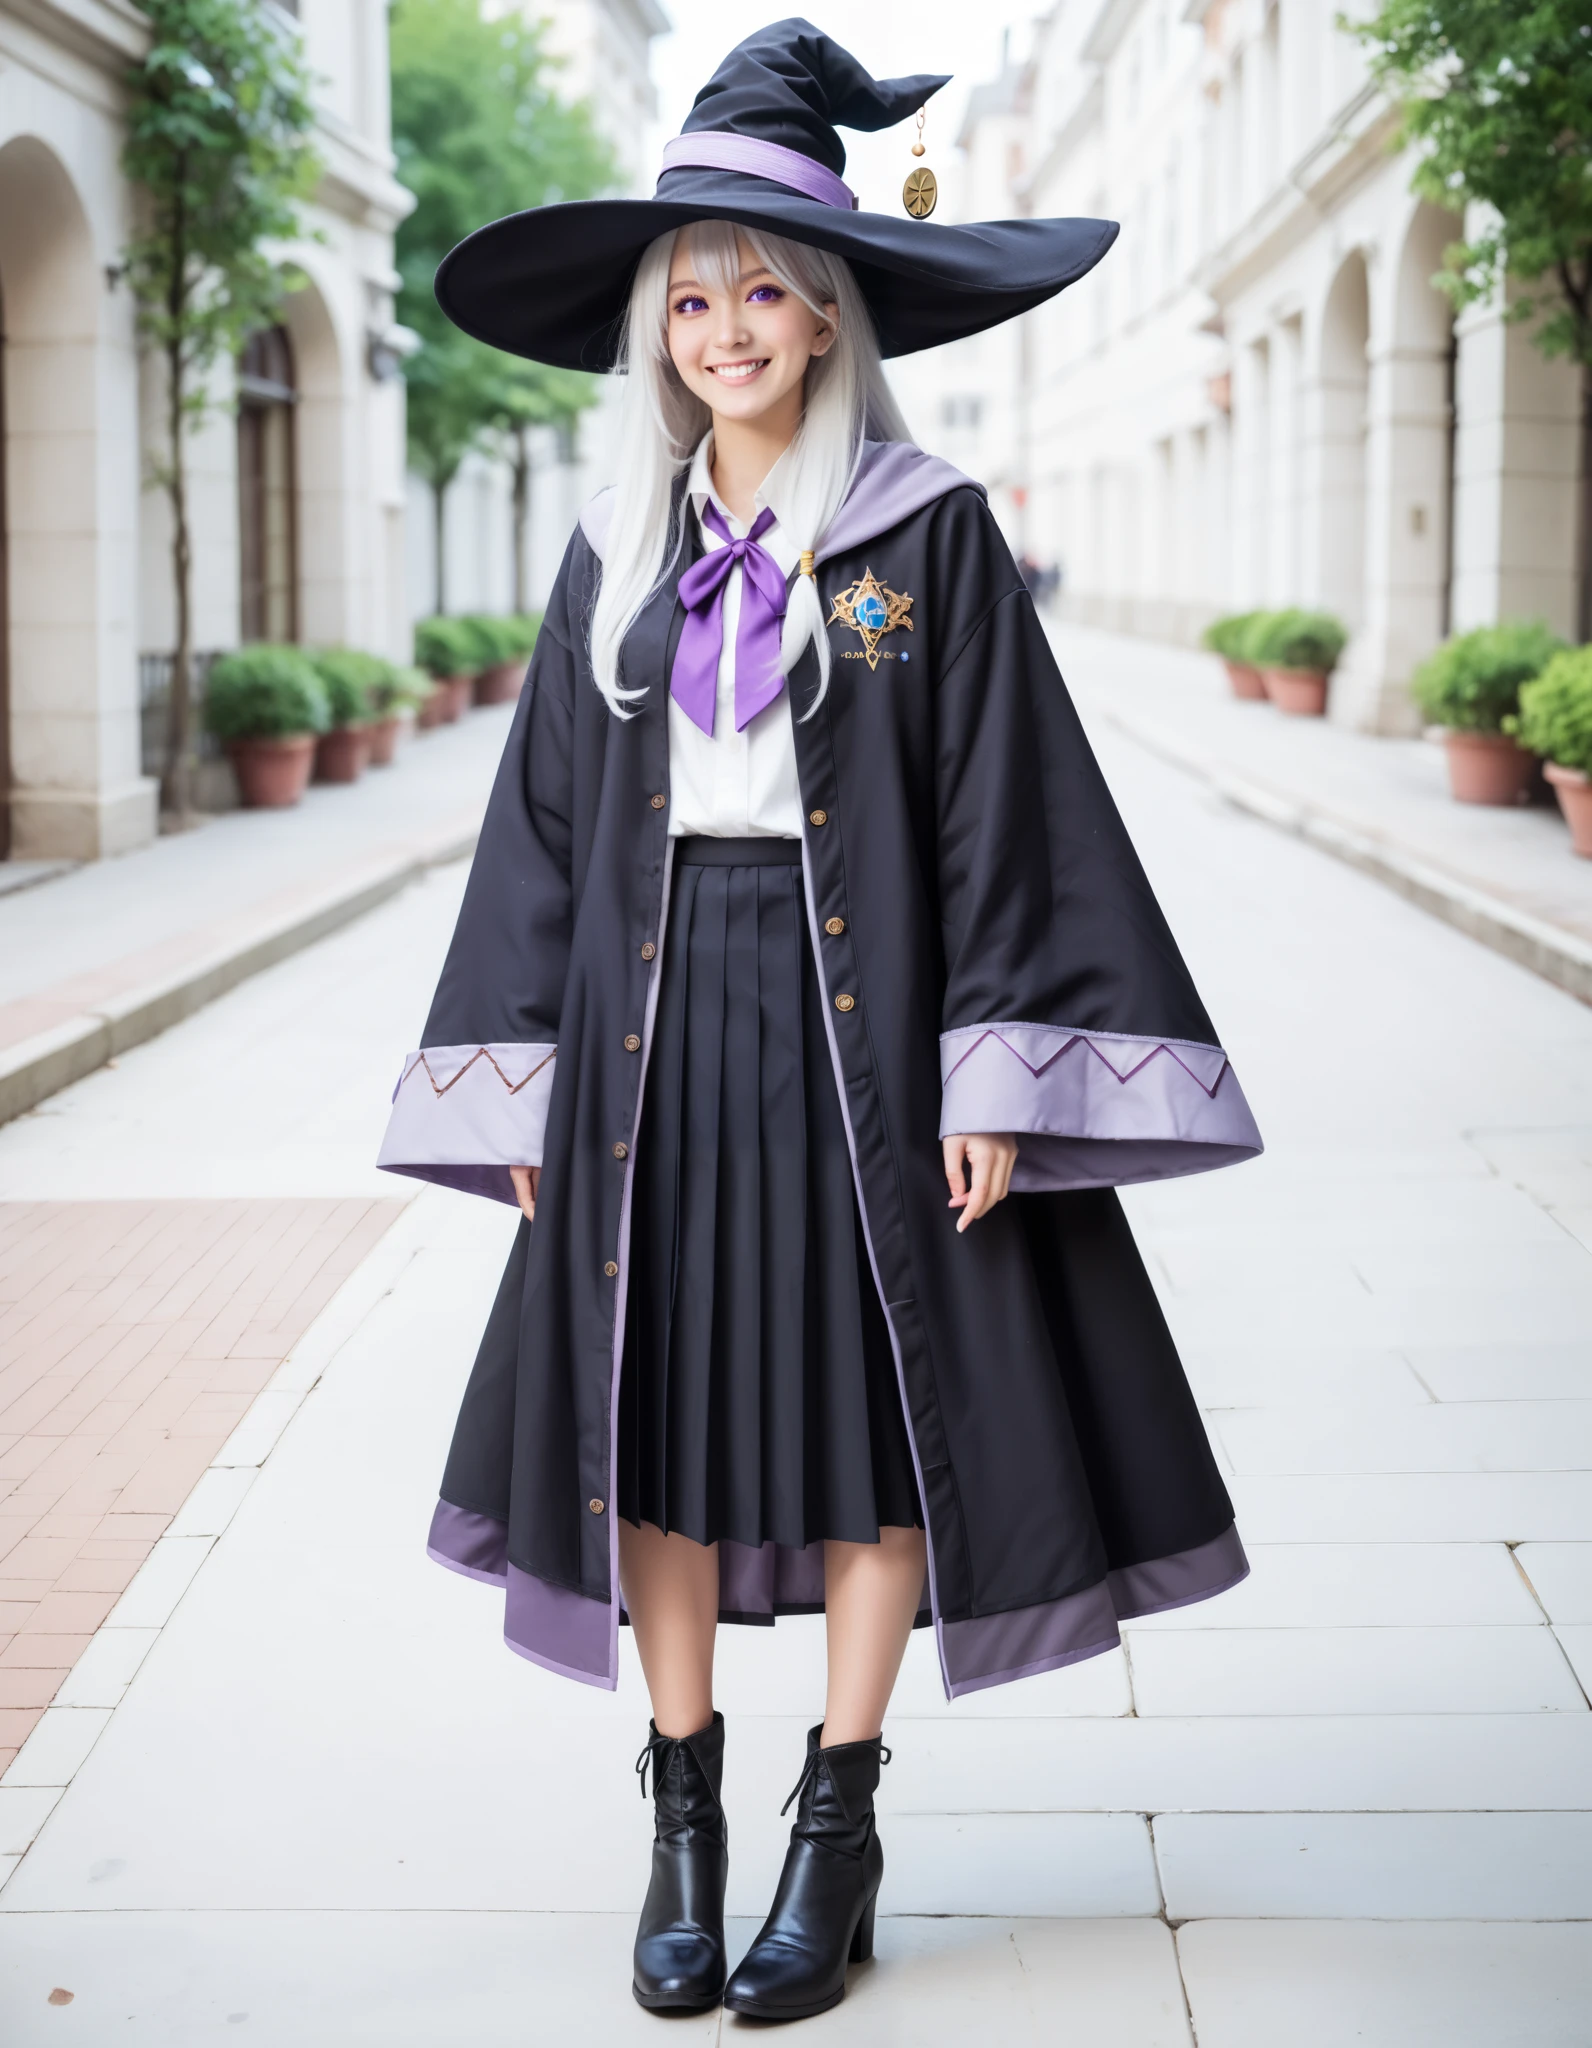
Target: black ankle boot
x: 680, y: 1943
x: 822, y: 1915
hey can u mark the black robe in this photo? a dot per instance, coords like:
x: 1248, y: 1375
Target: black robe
x: 993, y: 960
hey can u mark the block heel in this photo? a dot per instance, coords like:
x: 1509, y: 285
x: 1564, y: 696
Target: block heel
x: 862, y: 1940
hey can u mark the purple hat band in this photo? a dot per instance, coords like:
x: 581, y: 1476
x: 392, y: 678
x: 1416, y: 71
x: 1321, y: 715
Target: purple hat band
x: 712, y: 150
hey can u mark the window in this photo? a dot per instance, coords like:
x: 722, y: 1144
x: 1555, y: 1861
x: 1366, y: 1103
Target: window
x: 267, y: 539
x: 961, y: 410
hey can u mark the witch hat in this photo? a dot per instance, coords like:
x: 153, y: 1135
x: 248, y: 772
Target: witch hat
x: 759, y: 148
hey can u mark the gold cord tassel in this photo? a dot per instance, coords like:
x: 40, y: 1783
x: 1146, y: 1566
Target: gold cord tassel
x: 806, y: 564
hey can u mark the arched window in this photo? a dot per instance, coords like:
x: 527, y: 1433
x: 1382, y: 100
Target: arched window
x: 267, y: 536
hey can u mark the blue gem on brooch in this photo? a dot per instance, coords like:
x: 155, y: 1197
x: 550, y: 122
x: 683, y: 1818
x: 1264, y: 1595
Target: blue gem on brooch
x: 871, y: 609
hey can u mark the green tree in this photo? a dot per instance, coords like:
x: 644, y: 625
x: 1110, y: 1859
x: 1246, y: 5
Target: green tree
x: 478, y: 132
x: 218, y: 126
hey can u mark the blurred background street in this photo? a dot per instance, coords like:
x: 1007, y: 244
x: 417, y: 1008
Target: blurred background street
x: 1309, y: 529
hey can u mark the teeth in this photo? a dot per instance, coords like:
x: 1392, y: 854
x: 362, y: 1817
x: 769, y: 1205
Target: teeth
x: 735, y: 370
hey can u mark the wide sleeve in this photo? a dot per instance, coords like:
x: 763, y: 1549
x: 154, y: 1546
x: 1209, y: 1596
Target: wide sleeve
x: 1069, y: 1017
x: 472, y: 1098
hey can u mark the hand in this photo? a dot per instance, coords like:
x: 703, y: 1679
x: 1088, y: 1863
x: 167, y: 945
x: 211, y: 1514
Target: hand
x: 989, y: 1162
x: 527, y: 1184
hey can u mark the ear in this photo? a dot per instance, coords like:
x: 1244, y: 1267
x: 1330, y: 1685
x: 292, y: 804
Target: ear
x: 824, y: 339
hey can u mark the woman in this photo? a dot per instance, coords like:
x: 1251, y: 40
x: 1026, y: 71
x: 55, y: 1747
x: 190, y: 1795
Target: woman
x: 808, y: 997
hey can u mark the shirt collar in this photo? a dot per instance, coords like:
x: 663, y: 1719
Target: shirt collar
x: 699, y: 488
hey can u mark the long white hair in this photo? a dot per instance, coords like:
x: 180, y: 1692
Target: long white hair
x: 847, y: 401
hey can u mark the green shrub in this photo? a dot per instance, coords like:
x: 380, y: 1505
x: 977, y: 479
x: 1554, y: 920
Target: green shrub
x: 1472, y: 683
x: 1295, y: 639
x: 399, y: 689
x: 1556, y: 711
x: 264, y: 692
x: 445, y: 647
x: 350, y: 678
x: 1228, y: 636
x: 523, y: 628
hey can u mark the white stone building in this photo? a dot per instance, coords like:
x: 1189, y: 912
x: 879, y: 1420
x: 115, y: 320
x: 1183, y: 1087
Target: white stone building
x: 297, y: 498
x: 605, y: 48
x: 1259, y: 398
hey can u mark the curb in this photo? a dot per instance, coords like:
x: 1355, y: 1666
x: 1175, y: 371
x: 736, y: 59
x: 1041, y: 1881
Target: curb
x: 1549, y: 950
x: 38, y: 1067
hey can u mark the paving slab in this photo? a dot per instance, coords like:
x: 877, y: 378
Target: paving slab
x: 1256, y: 1983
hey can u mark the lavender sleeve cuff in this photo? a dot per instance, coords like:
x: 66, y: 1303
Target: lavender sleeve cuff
x: 462, y: 1115
x: 1095, y: 1108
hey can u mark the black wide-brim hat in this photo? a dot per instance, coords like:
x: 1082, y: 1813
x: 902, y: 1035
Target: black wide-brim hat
x: 760, y: 149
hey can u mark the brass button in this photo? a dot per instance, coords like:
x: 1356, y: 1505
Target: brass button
x: 632, y: 1043
x: 835, y: 926
x: 596, y: 1506
x: 621, y: 1151
x: 649, y: 951
x: 845, y: 1002
x: 818, y: 817
x: 611, y: 1270
x: 658, y: 802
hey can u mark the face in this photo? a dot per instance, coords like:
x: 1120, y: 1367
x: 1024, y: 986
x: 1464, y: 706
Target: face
x: 744, y: 352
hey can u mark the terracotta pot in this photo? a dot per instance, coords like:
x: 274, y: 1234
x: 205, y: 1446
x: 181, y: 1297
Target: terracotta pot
x: 1301, y: 692
x: 272, y: 773
x: 383, y: 736
x: 1487, y: 767
x: 455, y: 693
x: 341, y: 754
x: 1246, y: 680
x: 1573, y: 788
x: 499, y: 684
x: 434, y: 711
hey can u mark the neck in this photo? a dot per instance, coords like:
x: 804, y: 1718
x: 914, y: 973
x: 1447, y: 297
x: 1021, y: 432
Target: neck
x: 744, y: 451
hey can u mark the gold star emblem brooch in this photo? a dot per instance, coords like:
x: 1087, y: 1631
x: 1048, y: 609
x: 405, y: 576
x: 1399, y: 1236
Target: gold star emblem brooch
x: 871, y: 610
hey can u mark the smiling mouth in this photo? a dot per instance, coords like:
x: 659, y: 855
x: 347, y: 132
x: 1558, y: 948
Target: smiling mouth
x: 737, y: 373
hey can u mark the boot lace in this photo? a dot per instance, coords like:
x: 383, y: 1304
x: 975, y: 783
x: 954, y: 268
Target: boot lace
x: 653, y: 1754
x: 814, y: 1758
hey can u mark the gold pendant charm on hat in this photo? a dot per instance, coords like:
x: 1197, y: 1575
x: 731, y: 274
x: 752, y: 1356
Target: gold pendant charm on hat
x: 921, y: 192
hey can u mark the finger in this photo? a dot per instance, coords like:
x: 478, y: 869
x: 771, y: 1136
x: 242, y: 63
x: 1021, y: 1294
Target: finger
x: 1005, y: 1161
x: 536, y: 1185
x: 954, y: 1149
x: 521, y: 1178
x: 978, y: 1196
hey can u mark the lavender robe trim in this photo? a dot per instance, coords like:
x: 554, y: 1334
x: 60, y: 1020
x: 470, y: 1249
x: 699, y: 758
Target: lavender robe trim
x: 996, y: 1648
x: 462, y: 1115
x: 567, y: 1633
x: 1095, y: 1108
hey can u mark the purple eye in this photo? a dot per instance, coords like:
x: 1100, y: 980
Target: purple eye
x: 691, y: 303
x: 765, y: 295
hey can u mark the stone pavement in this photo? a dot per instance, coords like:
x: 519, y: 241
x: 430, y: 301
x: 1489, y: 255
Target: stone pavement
x: 134, y: 1337
x: 1348, y: 1803
x: 1507, y: 876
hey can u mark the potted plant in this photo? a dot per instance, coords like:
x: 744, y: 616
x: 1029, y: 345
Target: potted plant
x: 1296, y: 652
x: 343, y: 749
x: 1556, y: 721
x: 449, y: 651
x: 266, y: 705
x: 396, y: 695
x: 1229, y: 637
x: 1470, y: 686
x: 496, y: 675
x: 514, y: 637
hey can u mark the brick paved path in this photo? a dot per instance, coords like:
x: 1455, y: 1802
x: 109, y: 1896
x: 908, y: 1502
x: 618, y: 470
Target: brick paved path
x: 133, y: 1336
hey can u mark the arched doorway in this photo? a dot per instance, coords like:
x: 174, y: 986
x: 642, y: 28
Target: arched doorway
x: 267, y: 489
x: 1342, y: 395
x: 73, y: 787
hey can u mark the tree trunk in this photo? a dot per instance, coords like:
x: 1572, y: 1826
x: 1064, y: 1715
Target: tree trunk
x: 439, y: 499
x: 522, y: 512
x: 176, y: 783
x: 1584, y: 551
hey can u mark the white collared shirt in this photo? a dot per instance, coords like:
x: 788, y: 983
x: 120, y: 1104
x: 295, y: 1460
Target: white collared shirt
x: 736, y: 785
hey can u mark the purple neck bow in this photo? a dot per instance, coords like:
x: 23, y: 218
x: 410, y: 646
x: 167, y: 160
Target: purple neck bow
x: 694, y: 683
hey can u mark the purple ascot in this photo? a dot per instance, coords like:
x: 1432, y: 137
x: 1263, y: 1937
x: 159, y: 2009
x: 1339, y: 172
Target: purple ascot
x: 694, y: 682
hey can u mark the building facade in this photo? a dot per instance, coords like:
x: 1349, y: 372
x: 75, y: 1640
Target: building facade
x: 1260, y: 398
x: 297, y: 492
x: 604, y: 48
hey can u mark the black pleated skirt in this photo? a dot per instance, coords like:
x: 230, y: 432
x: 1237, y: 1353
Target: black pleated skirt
x: 758, y: 1397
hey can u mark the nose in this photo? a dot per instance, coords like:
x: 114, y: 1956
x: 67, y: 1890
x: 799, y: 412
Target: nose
x: 730, y: 327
